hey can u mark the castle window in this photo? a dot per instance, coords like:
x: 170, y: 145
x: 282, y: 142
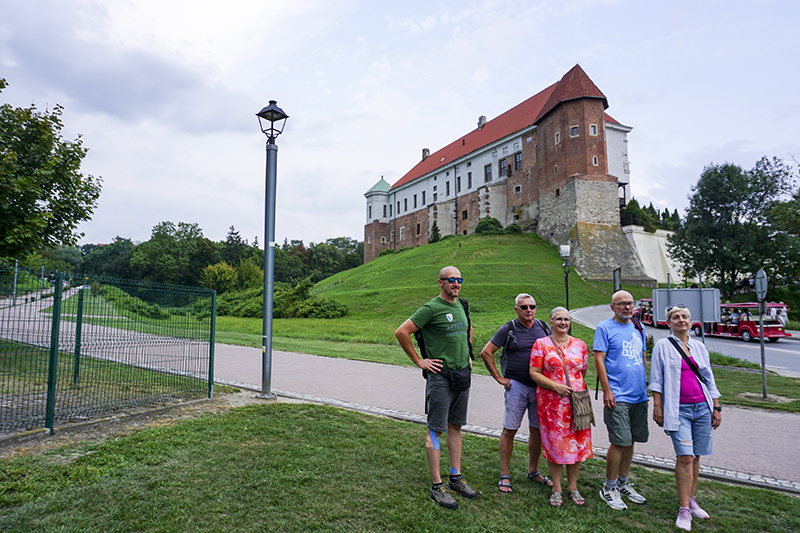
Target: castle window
x: 369, y: 240
x: 595, y: 161
x: 503, y: 171
x: 469, y: 180
x: 518, y: 161
x: 517, y: 189
x: 558, y: 193
x: 423, y: 197
x: 573, y: 131
x: 390, y: 210
x: 458, y: 184
x: 469, y: 163
x: 487, y: 170
x: 447, y: 188
x: 558, y: 137
x: 593, y: 129
x: 434, y: 188
x: 464, y: 214
x: 555, y: 169
x: 369, y: 212
x: 384, y: 210
x: 405, y: 205
x: 417, y: 228
x: 516, y: 217
x: 391, y: 236
x: 415, y: 201
x: 383, y: 240
x: 398, y: 208
x: 435, y: 196
x: 403, y: 233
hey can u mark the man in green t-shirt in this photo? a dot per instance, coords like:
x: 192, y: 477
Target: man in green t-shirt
x: 446, y: 334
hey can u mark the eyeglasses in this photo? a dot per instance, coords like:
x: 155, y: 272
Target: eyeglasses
x: 562, y: 319
x: 453, y: 280
x: 624, y: 304
x: 677, y: 306
x: 526, y: 307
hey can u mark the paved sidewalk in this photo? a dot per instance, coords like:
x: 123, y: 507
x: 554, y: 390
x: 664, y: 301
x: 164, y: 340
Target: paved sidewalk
x: 752, y: 446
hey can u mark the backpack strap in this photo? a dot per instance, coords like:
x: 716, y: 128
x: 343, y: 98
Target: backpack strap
x: 510, y: 336
x: 465, y: 304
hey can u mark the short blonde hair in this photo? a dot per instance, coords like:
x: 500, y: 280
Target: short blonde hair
x: 671, y: 310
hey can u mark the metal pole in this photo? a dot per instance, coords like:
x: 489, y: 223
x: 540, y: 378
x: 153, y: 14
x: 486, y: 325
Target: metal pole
x: 269, y: 268
x: 52, y: 371
x: 702, y: 321
x: 763, y: 353
x: 212, y: 341
x: 41, y: 284
x: 14, y: 291
x: 78, y: 326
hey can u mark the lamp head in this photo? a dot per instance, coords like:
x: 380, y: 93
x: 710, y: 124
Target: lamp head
x: 272, y: 120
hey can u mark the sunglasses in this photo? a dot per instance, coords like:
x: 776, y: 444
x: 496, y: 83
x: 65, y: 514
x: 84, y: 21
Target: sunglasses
x: 526, y: 307
x: 453, y: 280
x: 677, y: 306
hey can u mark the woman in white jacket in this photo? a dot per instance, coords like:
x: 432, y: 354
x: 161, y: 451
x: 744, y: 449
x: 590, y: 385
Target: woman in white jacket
x: 686, y: 405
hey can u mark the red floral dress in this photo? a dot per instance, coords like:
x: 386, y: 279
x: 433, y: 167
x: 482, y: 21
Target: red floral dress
x: 560, y: 444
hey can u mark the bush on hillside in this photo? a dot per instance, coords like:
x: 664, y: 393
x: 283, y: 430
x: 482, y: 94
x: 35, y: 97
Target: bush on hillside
x: 287, y: 302
x: 513, y: 229
x: 492, y: 226
x: 387, y: 251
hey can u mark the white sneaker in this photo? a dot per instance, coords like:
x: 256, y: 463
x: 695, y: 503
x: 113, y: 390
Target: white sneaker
x: 611, y: 497
x: 628, y: 491
x: 684, y: 520
x: 696, y: 510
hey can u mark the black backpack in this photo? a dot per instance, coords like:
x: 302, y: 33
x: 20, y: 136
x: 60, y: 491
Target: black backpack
x: 421, y: 341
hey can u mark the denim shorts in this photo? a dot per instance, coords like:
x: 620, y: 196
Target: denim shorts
x: 694, y: 434
x: 443, y: 405
x: 520, y: 397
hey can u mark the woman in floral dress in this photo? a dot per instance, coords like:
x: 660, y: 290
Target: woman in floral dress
x: 560, y: 444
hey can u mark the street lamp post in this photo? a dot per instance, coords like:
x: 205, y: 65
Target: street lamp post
x: 566, y: 267
x: 272, y: 120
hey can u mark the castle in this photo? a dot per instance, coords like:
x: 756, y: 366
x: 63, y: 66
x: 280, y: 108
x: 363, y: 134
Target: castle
x: 556, y: 165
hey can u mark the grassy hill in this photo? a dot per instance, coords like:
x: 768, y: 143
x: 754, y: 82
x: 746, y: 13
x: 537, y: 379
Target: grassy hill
x: 386, y: 291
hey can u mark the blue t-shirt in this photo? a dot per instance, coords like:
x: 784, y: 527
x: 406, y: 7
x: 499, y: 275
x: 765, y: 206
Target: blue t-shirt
x: 624, y: 361
x: 516, y: 364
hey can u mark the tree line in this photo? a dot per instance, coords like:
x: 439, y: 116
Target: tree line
x: 180, y: 254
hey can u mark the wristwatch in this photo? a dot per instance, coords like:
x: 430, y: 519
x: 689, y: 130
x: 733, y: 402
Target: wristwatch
x: 718, y: 408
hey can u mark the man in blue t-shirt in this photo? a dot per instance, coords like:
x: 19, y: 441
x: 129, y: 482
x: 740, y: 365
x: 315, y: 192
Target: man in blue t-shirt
x: 619, y: 357
x: 516, y: 338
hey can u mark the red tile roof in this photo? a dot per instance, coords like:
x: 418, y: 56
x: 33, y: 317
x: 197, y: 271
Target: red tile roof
x: 575, y: 84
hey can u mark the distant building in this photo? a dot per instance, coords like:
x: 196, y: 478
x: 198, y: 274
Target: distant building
x: 556, y: 164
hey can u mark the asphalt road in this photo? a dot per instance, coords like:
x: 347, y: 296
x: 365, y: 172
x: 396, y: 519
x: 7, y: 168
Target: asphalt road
x: 782, y: 357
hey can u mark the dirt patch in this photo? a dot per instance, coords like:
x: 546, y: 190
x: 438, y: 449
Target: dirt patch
x: 771, y: 398
x: 124, y: 423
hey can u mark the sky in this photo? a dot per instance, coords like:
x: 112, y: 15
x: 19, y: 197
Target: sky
x: 164, y: 94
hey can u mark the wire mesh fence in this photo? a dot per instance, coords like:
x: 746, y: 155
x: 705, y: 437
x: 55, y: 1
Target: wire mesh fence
x: 73, y: 349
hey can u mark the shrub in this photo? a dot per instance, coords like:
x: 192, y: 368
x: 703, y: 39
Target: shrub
x: 489, y: 226
x: 513, y: 228
x: 387, y: 251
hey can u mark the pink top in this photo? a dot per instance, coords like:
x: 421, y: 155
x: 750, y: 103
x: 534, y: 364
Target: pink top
x: 691, y: 392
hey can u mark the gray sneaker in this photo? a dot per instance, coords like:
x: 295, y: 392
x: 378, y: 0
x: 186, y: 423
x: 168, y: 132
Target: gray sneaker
x: 442, y: 496
x: 629, y: 492
x: 460, y: 486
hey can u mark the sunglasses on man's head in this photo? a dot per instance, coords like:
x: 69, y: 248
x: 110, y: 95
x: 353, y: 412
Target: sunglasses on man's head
x: 526, y: 307
x: 453, y: 280
x: 677, y: 306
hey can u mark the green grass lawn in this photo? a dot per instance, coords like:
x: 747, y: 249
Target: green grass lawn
x: 300, y: 467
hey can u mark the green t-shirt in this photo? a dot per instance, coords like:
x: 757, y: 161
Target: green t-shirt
x: 445, y: 331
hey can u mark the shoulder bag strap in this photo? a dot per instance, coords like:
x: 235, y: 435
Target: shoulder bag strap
x: 689, y: 362
x: 558, y: 349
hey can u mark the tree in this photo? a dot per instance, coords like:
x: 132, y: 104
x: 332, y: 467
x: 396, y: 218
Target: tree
x: 174, y: 254
x: 221, y: 277
x: 43, y: 196
x: 112, y: 260
x: 234, y: 249
x: 436, y: 235
x: 727, y: 231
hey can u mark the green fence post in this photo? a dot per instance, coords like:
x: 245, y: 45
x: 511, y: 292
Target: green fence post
x: 211, y: 347
x: 78, y: 322
x: 52, y: 372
